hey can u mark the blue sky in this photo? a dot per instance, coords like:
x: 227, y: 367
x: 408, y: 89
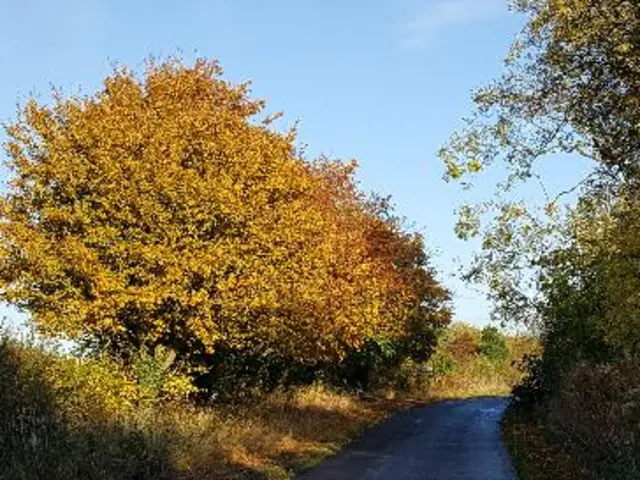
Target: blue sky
x: 382, y: 81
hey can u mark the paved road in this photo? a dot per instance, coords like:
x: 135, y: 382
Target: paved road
x: 452, y: 440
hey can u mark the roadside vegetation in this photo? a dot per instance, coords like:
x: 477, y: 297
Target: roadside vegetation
x: 67, y: 415
x: 472, y: 362
x: 64, y: 417
x: 205, y: 301
x: 567, y: 268
x: 230, y: 308
x: 225, y: 298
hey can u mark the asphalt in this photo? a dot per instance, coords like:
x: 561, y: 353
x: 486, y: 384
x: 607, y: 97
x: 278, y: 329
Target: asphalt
x: 452, y: 440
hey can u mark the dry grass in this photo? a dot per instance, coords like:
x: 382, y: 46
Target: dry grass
x: 61, y: 418
x: 283, y: 434
x: 476, y: 377
x: 292, y: 431
x: 537, y: 456
x: 66, y: 418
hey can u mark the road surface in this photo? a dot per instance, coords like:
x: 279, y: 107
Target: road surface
x: 452, y: 440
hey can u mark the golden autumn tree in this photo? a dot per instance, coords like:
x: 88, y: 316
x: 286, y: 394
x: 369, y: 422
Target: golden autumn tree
x: 377, y: 261
x: 161, y: 211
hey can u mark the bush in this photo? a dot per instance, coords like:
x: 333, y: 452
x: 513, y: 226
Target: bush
x: 441, y: 363
x: 596, y: 415
x: 231, y: 375
x: 64, y: 418
x: 586, y: 425
x: 469, y: 363
x: 461, y: 341
x: 493, y: 345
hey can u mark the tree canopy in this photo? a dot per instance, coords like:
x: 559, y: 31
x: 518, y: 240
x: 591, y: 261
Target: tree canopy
x: 570, y: 88
x: 164, y: 210
x: 568, y: 267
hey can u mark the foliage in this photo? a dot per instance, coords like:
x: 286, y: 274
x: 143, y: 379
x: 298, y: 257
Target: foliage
x: 158, y: 379
x: 161, y: 212
x: 459, y: 368
x: 382, y: 362
x: 493, y: 345
x: 596, y: 412
x: 534, y: 454
x: 461, y: 341
x: 441, y: 363
x: 587, y: 430
x: 64, y: 418
x: 571, y: 88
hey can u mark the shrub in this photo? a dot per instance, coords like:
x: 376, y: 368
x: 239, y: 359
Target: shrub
x: 493, y: 345
x: 441, y: 363
x: 596, y: 415
x: 461, y: 341
x: 65, y: 418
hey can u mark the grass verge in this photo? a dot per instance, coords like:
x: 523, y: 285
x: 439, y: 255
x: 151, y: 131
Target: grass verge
x: 282, y: 434
x: 63, y: 417
x: 68, y: 417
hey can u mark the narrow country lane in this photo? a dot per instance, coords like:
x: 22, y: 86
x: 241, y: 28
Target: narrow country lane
x: 450, y: 440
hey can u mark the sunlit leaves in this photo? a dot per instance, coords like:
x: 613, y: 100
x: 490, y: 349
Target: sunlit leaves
x: 163, y: 211
x: 571, y: 87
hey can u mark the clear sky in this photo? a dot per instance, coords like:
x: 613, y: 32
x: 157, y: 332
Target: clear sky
x: 384, y: 81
